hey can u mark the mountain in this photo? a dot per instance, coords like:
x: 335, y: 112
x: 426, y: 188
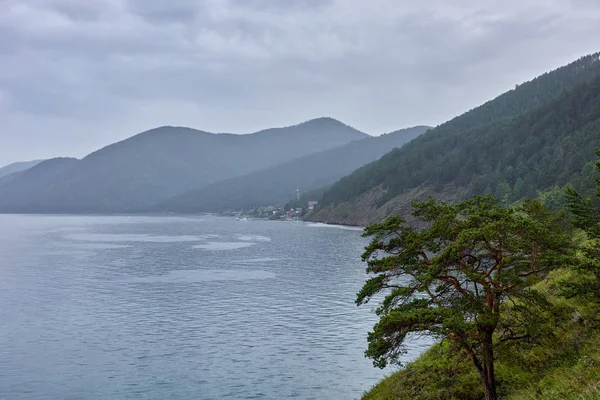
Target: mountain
x: 7, y: 178
x: 17, y: 167
x: 538, y: 135
x: 161, y: 163
x: 275, y: 185
x: 26, y: 187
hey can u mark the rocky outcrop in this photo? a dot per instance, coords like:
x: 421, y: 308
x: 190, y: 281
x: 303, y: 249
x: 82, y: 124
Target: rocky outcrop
x: 364, y: 210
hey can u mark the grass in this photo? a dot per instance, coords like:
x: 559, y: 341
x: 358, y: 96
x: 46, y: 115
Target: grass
x: 564, y: 364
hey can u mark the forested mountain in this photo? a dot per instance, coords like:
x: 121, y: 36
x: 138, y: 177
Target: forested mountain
x: 276, y: 184
x: 18, y: 166
x: 533, y: 137
x: 161, y: 163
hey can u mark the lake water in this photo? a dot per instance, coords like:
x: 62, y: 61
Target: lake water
x: 181, y: 308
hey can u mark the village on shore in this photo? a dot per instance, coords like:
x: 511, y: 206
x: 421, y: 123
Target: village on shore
x: 274, y: 213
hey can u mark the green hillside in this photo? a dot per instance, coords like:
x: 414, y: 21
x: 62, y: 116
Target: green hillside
x: 529, y: 139
x: 546, y: 338
x: 564, y: 365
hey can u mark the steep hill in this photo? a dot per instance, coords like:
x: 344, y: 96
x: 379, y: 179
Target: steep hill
x: 161, y: 163
x: 17, y: 167
x: 275, y: 185
x: 528, y: 139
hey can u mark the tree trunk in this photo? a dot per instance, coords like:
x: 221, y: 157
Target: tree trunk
x: 485, y: 365
x: 488, y: 377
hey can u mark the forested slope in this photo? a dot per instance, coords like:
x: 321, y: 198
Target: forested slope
x: 539, y: 135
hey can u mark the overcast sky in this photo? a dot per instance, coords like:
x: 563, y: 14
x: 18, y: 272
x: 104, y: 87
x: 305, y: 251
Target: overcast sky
x: 76, y: 75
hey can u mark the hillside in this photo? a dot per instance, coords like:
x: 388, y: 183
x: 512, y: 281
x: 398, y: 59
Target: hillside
x: 23, y: 188
x: 9, y: 177
x: 564, y: 364
x: 275, y: 185
x: 161, y: 163
x: 533, y: 137
x: 17, y: 167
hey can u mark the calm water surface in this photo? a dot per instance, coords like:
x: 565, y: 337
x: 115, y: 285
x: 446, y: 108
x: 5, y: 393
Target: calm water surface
x: 181, y: 308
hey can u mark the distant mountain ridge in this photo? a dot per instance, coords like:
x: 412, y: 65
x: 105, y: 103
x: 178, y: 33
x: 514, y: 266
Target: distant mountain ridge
x: 158, y: 164
x: 538, y: 135
x: 17, y: 167
x: 275, y: 185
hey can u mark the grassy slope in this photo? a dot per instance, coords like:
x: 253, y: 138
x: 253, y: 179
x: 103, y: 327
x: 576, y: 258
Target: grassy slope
x: 565, y: 365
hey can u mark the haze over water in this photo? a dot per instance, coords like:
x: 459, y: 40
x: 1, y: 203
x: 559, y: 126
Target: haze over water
x: 181, y: 308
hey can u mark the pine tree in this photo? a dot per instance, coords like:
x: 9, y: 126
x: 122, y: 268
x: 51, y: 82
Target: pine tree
x: 586, y: 215
x: 452, y: 278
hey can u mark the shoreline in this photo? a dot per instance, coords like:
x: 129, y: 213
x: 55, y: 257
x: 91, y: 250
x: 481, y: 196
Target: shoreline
x: 170, y: 214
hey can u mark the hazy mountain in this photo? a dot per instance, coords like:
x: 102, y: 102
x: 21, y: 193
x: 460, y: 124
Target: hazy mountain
x: 275, y: 185
x: 26, y: 187
x: 18, y: 166
x: 540, y: 134
x: 7, y: 178
x: 161, y: 163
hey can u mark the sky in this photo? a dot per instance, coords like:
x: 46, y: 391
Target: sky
x: 76, y: 75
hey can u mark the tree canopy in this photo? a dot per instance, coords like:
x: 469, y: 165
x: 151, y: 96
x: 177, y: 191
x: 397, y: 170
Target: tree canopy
x: 586, y: 215
x: 453, y: 277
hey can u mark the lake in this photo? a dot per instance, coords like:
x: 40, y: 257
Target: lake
x: 133, y: 307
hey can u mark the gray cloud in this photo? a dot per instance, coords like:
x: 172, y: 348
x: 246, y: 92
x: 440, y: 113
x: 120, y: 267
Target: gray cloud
x: 76, y: 75
x: 157, y: 11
